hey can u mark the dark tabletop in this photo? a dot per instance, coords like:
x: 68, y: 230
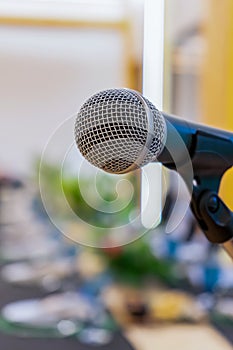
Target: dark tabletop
x: 9, y: 293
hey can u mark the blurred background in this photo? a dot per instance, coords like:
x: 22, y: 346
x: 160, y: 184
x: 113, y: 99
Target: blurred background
x: 100, y: 280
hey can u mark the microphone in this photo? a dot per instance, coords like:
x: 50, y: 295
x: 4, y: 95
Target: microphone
x: 119, y: 130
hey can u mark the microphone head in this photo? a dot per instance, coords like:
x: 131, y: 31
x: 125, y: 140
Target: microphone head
x: 118, y: 130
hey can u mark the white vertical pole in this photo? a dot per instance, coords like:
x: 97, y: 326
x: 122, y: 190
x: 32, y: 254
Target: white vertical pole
x: 153, y: 62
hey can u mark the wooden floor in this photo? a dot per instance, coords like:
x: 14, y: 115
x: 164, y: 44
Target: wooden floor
x: 177, y: 337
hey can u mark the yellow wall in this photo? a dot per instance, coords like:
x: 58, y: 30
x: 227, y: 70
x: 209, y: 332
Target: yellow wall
x: 217, y: 82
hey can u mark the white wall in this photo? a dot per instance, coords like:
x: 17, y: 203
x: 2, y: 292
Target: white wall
x: 45, y: 74
x: 183, y: 14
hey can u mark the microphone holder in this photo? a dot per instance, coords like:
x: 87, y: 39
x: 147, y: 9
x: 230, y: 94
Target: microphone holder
x: 209, y: 165
x: 212, y: 214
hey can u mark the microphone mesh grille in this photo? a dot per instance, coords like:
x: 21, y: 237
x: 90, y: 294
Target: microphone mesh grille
x: 111, y: 130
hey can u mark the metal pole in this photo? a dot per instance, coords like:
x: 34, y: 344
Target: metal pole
x: 153, y: 62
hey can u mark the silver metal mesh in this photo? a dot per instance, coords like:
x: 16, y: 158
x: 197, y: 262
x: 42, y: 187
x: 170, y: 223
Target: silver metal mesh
x: 111, y: 131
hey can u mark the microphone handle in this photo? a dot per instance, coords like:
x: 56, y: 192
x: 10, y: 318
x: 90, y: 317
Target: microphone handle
x: 210, y: 149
